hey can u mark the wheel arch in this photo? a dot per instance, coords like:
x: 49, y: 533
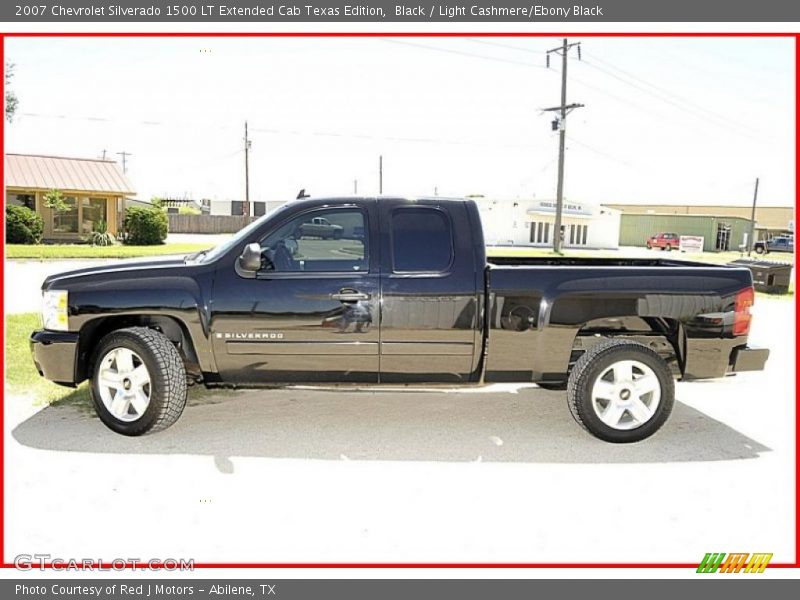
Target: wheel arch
x: 96, y: 329
x: 665, y: 336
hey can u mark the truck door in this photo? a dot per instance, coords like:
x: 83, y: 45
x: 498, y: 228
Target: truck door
x: 311, y: 313
x: 430, y: 304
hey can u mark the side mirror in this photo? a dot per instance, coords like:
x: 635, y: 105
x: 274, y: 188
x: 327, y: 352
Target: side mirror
x: 250, y: 260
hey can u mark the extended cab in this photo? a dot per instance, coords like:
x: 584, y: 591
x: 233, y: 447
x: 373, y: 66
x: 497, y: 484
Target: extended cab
x: 403, y: 293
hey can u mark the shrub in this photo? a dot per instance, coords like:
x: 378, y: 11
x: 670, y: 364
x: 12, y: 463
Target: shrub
x: 189, y: 210
x: 101, y: 236
x: 23, y: 225
x: 145, y: 226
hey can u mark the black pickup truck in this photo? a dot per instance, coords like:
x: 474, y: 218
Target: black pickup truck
x: 403, y: 293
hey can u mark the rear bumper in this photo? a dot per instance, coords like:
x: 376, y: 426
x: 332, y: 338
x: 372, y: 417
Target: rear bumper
x: 54, y: 354
x: 748, y: 359
x: 709, y: 358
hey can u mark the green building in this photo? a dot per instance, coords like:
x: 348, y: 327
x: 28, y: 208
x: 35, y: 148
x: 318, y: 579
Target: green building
x: 719, y: 233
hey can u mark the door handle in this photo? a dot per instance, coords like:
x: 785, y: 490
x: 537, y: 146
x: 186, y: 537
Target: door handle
x: 349, y: 296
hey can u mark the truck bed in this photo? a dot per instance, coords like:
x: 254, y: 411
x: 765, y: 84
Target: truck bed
x: 566, y: 261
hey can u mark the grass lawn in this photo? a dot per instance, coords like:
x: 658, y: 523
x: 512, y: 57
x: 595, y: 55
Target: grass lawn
x: 50, y: 251
x: 22, y: 379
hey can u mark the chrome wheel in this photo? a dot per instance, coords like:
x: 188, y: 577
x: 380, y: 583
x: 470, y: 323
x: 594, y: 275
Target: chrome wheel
x: 124, y: 384
x: 626, y: 395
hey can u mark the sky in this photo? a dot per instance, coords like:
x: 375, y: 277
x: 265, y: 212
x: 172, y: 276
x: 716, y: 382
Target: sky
x: 666, y: 120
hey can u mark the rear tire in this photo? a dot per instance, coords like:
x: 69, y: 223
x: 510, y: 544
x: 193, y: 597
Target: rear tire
x: 138, y: 381
x: 621, y: 391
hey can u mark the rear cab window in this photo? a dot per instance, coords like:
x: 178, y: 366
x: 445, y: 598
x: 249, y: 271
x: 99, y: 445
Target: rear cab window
x: 422, y: 240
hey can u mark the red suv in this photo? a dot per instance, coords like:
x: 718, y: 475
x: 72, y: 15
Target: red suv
x: 664, y: 241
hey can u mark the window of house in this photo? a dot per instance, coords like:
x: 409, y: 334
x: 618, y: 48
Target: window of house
x: 26, y: 200
x: 422, y: 240
x: 66, y: 221
x: 329, y: 240
x: 94, y: 215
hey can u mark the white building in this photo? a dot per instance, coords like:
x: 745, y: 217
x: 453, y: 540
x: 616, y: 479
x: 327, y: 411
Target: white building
x: 532, y: 223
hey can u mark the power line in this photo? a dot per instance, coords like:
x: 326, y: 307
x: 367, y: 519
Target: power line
x: 315, y: 133
x: 601, y: 152
x: 587, y: 85
x: 688, y: 107
x: 509, y: 46
x: 462, y: 53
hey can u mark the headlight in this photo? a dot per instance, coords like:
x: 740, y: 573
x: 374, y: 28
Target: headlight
x: 54, y: 310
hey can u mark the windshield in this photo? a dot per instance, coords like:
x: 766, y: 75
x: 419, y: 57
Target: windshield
x: 241, y: 236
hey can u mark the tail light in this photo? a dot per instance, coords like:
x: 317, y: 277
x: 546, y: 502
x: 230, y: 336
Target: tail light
x: 741, y: 311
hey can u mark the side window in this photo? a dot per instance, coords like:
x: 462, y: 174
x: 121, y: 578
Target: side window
x: 422, y: 240
x: 332, y: 240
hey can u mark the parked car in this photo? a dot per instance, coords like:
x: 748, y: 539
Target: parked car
x: 664, y: 241
x: 319, y: 227
x: 782, y: 243
x: 417, y: 302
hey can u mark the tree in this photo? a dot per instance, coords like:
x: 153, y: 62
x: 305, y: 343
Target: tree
x: 54, y: 200
x: 12, y: 102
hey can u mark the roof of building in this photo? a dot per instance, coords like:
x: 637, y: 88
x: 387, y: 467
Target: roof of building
x: 40, y: 172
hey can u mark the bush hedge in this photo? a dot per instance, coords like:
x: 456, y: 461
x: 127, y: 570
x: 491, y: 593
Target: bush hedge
x: 23, y: 225
x: 145, y: 226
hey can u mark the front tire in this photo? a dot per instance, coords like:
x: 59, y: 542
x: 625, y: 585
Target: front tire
x: 138, y: 381
x: 621, y: 391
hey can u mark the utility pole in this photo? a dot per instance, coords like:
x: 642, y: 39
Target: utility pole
x: 124, y: 156
x: 564, y: 110
x: 104, y: 154
x: 355, y: 187
x: 380, y: 174
x: 751, y: 241
x: 246, y: 206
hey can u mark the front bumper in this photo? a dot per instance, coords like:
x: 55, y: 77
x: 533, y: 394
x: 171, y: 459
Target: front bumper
x: 55, y: 355
x: 748, y: 359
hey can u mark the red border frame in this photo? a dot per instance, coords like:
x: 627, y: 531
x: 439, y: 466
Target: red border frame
x: 796, y: 36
